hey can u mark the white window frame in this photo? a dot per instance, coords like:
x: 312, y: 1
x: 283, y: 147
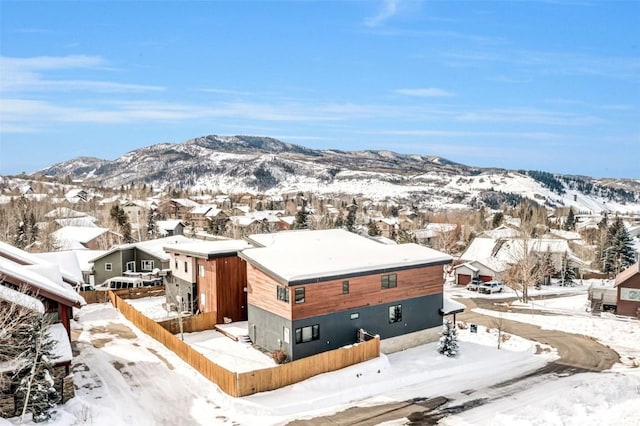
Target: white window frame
x: 133, y: 262
x: 108, y: 267
x: 146, y: 265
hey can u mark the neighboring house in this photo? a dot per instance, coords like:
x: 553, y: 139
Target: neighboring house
x: 45, y: 293
x: 85, y: 221
x: 465, y: 272
x: 387, y: 226
x: 64, y: 213
x: 312, y: 291
x: 198, y: 216
x: 143, y: 257
x: 43, y: 280
x: 138, y: 213
x: 209, y: 277
x: 171, y: 227
x: 628, y: 291
x: 179, y: 208
x: 432, y: 232
x: 76, y: 195
x: 85, y: 237
x: 286, y: 223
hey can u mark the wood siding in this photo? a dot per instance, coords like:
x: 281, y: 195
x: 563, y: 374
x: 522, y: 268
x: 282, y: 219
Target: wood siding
x: 224, y: 287
x: 262, y: 291
x: 327, y: 297
x: 628, y: 307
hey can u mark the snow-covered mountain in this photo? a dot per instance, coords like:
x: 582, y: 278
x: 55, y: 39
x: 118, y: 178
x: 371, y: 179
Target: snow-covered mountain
x: 233, y: 164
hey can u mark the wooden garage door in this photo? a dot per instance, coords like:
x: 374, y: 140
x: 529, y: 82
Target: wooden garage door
x: 463, y: 279
x: 485, y: 278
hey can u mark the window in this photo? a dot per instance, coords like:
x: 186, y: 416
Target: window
x: 283, y: 294
x: 108, y: 266
x: 201, y: 270
x: 147, y: 265
x: 176, y: 265
x: 131, y: 266
x: 395, y: 313
x: 186, y: 266
x: 345, y: 287
x: 307, y: 334
x: 355, y: 315
x: 285, y: 334
x: 389, y: 281
x: 299, y: 295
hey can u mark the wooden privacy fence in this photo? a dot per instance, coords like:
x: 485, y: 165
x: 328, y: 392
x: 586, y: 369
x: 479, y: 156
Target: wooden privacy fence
x: 99, y: 296
x: 190, y: 324
x: 243, y: 384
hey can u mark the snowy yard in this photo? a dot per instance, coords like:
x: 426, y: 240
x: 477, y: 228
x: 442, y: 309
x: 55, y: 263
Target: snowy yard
x: 124, y: 377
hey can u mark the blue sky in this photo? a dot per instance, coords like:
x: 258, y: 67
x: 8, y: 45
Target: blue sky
x: 544, y: 85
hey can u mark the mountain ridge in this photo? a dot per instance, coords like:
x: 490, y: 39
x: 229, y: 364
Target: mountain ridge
x: 267, y: 165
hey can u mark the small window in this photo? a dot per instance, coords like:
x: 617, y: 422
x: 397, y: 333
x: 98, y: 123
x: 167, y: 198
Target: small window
x: 201, y: 270
x: 186, y: 267
x: 176, y: 265
x: 285, y: 334
x: 355, y: 315
x: 299, y: 294
x: 147, y: 265
x: 131, y: 266
x: 283, y: 294
x: 395, y: 313
x: 345, y: 287
x: 389, y: 281
x: 307, y: 334
x: 108, y: 266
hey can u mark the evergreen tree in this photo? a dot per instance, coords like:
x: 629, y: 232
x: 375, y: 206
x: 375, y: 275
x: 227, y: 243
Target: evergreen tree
x: 339, y: 222
x: 373, y: 229
x: 571, y: 221
x: 302, y: 217
x: 152, y: 225
x: 35, y: 384
x: 121, y: 219
x: 568, y: 272
x: 618, y: 253
x: 448, y: 344
x: 350, y: 222
x: 497, y: 219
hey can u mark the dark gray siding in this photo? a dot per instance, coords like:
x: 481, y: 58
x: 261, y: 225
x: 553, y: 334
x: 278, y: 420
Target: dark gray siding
x: 338, y: 329
x: 267, y: 330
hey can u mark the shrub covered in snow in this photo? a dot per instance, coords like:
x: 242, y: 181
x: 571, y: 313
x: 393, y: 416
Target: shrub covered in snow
x: 448, y: 344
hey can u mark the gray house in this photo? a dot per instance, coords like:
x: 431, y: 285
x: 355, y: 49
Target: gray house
x: 135, y: 258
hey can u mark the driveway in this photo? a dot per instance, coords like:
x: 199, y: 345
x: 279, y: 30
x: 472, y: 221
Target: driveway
x: 577, y: 353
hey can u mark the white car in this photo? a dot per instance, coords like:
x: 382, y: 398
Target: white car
x: 491, y: 287
x: 474, y: 284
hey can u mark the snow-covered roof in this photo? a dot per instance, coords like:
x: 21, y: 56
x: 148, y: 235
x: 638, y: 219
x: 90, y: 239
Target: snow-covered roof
x: 21, y: 299
x: 324, y: 254
x: 169, y: 224
x: 67, y: 261
x: 85, y: 257
x: 153, y: 247
x: 467, y: 265
x: 74, y: 237
x: 45, y: 278
x: 627, y: 273
x: 64, y: 212
x: 209, y: 248
x: 202, y: 208
x: 451, y: 306
x: 85, y: 221
x: 242, y: 220
x: 25, y: 258
x: 185, y: 202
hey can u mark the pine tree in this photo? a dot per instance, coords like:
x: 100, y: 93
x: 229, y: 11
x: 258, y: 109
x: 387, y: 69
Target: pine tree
x: 448, y: 344
x: 373, y: 229
x: 618, y: 253
x: 35, y: 385
x: 568, y: 272
x: 497, y: 219
x: 350, y: 222
x: 571, y: 220
x: 152, y: 225
x: 302, y: 217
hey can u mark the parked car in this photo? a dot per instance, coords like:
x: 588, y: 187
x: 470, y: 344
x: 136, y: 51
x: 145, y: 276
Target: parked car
x: 474, y: 284
x: 491, y: 287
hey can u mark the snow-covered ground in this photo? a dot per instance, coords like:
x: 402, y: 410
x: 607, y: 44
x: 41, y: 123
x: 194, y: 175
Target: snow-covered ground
x: 125, y: 377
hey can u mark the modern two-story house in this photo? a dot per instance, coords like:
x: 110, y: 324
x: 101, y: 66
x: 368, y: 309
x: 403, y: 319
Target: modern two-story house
x: 312, y: 291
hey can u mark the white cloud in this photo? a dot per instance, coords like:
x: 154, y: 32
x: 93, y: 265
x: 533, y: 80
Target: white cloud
x: 424, y: 92
x: 389, y: 9
x: 27, y: 75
